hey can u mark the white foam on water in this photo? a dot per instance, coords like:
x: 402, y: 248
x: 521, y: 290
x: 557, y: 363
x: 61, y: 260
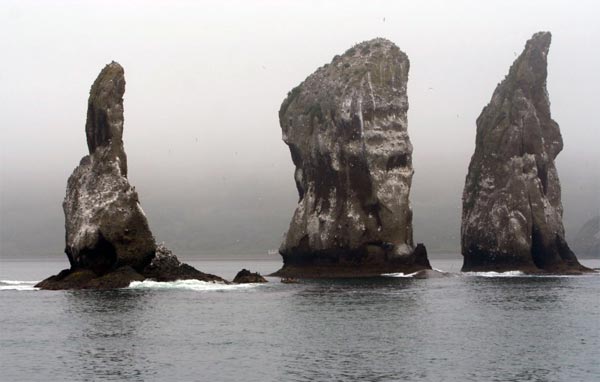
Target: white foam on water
x: 17, y: 285
x: 195, y: 285
x: 496, y: 274
x: 399, y: 274
x: 409, y: 275
x: 521, y: 274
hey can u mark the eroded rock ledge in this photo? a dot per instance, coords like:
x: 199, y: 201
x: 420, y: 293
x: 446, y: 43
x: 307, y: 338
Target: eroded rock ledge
x: 512, y: 211
x: 108, y: 240
x: 346, y: 128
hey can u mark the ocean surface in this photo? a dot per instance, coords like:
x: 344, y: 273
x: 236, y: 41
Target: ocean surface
x: 464, y: 327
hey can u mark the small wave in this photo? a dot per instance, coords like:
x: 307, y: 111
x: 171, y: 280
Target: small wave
x: 521, y: 274
x: 433, y: 272
x: 496, y: 274
x: 17, y: 285
x: 194, y: 285
x: 399, y: 274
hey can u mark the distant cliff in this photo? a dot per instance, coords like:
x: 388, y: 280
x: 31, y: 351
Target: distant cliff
x: 512, y: 211
x: 587, y: 240
x: 346, y: 128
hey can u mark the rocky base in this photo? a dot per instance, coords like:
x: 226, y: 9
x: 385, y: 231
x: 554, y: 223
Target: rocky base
x: 358, y: 263
x: 246, y: 277
x: 542, y: 261
x: 87, y: 279
x: 164, y: 267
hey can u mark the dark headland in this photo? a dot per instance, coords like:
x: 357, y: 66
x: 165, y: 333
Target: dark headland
x: 512, y: 210
x: 346, y: 128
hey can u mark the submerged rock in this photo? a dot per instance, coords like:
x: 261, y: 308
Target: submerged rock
x: 108, y: 240
x: 246, y: 277
x: 512, y: 211
x: 346, y: 128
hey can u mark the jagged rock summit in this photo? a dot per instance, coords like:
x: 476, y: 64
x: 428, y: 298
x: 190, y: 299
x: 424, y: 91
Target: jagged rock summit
x: 512, y: 211
x: 108, y: 240
x: 346, y: 128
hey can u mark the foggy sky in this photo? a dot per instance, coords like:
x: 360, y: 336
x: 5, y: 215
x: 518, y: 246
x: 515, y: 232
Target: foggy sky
x: 204, y: 84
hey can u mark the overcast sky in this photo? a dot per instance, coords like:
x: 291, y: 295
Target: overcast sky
x: 205, y: 80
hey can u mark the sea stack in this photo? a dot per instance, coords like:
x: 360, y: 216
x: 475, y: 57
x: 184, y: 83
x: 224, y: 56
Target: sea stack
x: 104, y: 222
x: 512, y: 211
x: 108, y: 240
x: 346, y: 128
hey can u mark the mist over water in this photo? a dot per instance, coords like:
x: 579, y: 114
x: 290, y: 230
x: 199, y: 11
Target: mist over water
x: 204, y: 85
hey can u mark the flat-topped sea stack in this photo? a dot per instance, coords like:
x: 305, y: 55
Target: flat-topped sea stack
x: 512, y: 211
x: 108, y: 240
x: 346, y: 128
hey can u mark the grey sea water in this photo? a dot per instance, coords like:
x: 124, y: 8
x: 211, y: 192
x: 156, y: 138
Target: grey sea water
x: 476, y: 327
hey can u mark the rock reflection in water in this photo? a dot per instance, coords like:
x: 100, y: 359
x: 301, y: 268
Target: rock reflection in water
x: 105, y: 334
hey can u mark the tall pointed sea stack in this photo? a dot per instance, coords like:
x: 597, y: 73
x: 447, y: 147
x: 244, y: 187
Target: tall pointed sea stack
x: 512, y: 212
x: 105, y: 224
x: 108, y: 241
x: 346, y: 128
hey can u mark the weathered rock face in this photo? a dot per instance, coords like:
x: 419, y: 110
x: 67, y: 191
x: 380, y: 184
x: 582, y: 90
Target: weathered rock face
x: 512, y: 211
x: 105, y: 225
x: 346, y: 129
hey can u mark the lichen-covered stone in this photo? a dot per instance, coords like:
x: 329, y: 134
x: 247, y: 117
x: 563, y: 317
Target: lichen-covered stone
x: 346, y: 128
x: 512, y: 211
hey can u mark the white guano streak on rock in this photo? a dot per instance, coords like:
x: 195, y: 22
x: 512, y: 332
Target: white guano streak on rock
x: 371, y: 88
